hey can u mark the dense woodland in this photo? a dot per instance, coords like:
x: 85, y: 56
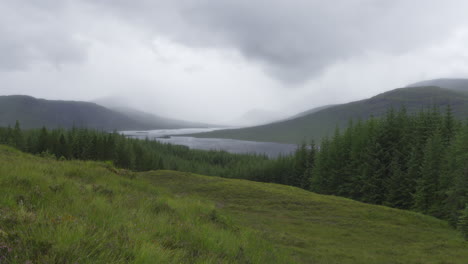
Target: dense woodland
x: 417, y: 162
x: 139, y: 155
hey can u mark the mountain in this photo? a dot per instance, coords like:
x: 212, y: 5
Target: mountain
x: 323, y: 122
x: 158, y: 121
x: 33, y: 113
x: 452, y: 84
x: 257, y: 117
x: 119, y: 104
x: 308, y: 112
x: 91, y: 212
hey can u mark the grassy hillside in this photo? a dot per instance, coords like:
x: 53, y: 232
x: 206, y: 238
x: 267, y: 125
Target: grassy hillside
x: 87, y: 212
x: 315, y: 228
x: 321, y: 123
x: 35, y: 113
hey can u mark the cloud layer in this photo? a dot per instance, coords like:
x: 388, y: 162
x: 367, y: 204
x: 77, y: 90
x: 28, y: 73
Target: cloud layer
x: 187, y: 57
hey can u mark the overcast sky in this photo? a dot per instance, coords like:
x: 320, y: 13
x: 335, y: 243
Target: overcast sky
x: 213, y: 60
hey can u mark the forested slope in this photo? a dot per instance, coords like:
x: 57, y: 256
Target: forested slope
x: 416, y: 162
x: 322, y: 123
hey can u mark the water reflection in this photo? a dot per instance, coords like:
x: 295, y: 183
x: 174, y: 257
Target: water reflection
x: 230, y: 145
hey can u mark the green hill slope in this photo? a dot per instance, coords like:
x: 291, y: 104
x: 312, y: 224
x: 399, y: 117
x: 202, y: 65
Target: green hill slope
x: 321, y: 123
x: 452, y: 84
x: 88, y: 212
x: 35, y: 113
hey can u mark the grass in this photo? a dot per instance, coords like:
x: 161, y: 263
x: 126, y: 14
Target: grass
x: 89, y: 212
x: 314, y: 228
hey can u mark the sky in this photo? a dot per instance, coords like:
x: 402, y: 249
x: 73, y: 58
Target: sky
x: 214, y: 60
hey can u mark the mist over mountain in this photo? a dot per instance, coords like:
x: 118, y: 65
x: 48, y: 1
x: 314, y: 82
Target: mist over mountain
x: 34, y: 113
x: 120, y: 105
x: 322, y: 122
x: 257, y: 117
x: 448, y: 83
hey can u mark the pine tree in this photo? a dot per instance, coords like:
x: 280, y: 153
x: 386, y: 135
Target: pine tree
x: 62, y: 150
x: 18, y: 140
x: 300, y: 178
x: 426, y: 198
x: 399, y: 193
x: 463, y: 223
x: 311, y: 156
x: 449, y: 126
x: 373, y: 188
x: 456, y: 177
x: 320, y: 178
x: 42, y: 141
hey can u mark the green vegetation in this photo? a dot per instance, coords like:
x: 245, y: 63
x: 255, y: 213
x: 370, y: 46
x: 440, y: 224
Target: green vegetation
x: 314, y: 228
x: 88, y: 212
x: 57, y: 209
x: 36, y: 113
x: 143, y: 155
x: 322, y: 123
x: 417, y: 162
x: 463, y: 223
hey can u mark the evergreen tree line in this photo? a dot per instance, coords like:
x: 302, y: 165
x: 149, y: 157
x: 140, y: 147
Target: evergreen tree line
x: 417, y: 162
x: 144, y: 155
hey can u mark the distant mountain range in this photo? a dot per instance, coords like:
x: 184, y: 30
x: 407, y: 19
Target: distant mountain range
x: 319, y: 122
x: 257, y: 117
x: 452, y: 84
x: 312, y: 124
x: 34, y: 113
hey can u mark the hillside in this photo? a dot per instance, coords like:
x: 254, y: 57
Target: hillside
x: 452, y: 84
x: 158, y: 121
x: 323, y: 122
x: 88, y: 212
x: 257, y: 117
x: 34, y: 113
x: 308, y: 112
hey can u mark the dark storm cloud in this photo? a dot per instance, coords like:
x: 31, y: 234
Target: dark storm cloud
x: 161, y: 54
x: 292, y: 40
x: 36, y: 32
x: 295, y: 40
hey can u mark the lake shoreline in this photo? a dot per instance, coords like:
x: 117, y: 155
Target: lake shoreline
x: 182, y: 137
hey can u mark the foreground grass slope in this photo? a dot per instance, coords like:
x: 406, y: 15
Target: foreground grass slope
x: 315, y: 228
x: 87, y: 212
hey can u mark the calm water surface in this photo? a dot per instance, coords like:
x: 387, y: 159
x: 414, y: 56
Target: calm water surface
x: 230, y: 145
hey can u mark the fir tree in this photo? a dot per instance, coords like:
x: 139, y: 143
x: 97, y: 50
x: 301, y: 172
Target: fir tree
x: 463, y: 223
x: 425, y: 198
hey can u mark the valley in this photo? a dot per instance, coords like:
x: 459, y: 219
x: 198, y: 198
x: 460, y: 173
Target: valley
x: 233, y: 132
x: 390, y: 185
